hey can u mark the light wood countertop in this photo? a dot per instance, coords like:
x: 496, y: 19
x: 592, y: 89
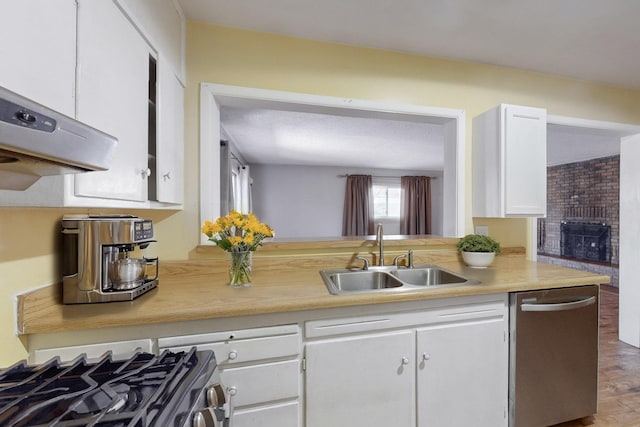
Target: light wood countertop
x: 197, y: 289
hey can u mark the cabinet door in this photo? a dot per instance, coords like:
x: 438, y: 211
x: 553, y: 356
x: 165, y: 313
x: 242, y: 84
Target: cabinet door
x: 462, y: 374
x: 170, y: 142
x: 525, y: 160
x: 38, y: 51
x: 362, y: 381
x: 112, y: 95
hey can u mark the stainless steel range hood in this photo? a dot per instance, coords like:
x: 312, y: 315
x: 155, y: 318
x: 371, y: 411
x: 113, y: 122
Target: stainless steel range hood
x: 36, y: 141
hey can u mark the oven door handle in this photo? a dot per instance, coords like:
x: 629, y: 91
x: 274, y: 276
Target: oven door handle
x: 563, y: 306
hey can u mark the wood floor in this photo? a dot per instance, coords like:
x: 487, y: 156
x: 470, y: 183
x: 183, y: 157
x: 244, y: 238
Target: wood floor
x: 619, y: 369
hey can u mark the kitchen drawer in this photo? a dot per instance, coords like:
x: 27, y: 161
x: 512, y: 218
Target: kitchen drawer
x: 250, y: 350
x: 469, y: 309
x: 281, y: 415
x: 262, y: 383
x: 189, y: 340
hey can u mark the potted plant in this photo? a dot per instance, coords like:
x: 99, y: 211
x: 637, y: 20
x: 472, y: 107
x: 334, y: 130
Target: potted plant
x: 478, y: 250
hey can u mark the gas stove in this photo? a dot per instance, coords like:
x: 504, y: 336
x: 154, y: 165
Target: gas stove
x: 172, y: 389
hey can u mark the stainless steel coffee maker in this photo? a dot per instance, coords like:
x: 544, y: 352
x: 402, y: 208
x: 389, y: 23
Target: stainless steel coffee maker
x: 97, y: 266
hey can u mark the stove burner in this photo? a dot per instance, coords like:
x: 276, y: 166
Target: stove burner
x: 145, y: 390
x: 104, y: 399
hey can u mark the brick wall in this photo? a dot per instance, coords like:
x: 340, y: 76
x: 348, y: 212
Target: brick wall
x: 586, y: 191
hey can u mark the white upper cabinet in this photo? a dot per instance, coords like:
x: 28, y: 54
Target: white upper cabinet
x: 509, y: 162
x: 38, y: 51
x: 169, y: 175
x: 163, y: 23
x: 91, y: 60
x: 112, y: 95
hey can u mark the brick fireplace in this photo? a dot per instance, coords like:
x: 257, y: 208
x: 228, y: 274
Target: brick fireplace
x: 581, y: 229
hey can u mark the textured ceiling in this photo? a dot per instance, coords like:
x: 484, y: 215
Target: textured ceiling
x: 265, y: 136
x: 567, y: 144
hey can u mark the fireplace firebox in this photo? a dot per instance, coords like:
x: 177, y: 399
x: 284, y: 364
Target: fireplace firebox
x: 585, y: 241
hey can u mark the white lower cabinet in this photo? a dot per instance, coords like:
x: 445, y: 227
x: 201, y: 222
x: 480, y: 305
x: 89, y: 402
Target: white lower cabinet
x: 361, y: 381
x: 435, y: 363
x: 444, y: 366
x: 462, y: 374
x: 259, y: 368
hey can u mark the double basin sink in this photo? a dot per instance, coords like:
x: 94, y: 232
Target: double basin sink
x: 391, y: 279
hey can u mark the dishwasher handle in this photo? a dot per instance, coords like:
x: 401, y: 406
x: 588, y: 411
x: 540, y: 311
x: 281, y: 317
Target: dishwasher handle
x: 563, y: 306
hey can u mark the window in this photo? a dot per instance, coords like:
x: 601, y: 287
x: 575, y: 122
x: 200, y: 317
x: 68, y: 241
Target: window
x: 386, y: 199
x: 240, y: 187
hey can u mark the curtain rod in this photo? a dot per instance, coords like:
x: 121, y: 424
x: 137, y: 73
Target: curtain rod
x: 379, y: 176
x: 233, y: 156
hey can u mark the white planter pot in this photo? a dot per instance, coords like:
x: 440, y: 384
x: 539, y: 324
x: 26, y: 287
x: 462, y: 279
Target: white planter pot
x: 478, y: 259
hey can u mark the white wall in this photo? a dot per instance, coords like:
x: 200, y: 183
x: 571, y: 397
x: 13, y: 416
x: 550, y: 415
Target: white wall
x: 629, y: 309
x: 307, y: 201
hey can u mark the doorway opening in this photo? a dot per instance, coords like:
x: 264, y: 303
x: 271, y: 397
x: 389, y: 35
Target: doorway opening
x: 449, y: 123
x: 588, y: 147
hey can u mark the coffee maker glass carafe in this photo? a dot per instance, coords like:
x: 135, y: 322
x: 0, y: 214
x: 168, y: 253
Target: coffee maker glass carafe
x: 124, y: 272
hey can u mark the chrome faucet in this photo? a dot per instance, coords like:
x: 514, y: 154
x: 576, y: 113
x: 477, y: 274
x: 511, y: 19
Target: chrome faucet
x: 408, y: 256
x: 380, y: 243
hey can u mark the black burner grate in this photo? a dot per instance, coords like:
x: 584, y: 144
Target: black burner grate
x: 145, y: 390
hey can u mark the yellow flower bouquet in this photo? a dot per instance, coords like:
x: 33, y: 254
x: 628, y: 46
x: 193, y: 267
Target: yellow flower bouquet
x: 240, y: 235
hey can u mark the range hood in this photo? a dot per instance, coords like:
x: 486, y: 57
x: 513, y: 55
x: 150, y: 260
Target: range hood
x: 36, y: 141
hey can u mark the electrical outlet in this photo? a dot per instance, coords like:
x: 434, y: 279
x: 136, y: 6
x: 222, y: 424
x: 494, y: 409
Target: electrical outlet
x: 482, y: 230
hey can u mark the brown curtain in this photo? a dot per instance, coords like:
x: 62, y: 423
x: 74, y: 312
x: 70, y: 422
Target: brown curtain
x: 415, y: 205
x: 358, y: 206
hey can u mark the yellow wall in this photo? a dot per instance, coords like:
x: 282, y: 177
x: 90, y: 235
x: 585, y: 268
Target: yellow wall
x: 29, y: 254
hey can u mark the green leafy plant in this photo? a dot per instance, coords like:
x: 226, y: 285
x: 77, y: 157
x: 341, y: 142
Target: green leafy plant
x: 478, y: 243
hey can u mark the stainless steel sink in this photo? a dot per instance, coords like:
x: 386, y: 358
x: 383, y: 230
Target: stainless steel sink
x: 361, y: 281
x: 428, y: 276
x: 391, y: 279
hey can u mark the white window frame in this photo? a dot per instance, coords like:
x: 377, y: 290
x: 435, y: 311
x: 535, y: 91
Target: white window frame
x: 390, y: 223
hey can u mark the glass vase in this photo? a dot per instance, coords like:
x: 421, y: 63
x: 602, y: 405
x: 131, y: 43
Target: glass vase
x: 240, y: 269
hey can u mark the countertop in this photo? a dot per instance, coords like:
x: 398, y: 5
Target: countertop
x: 197, y: 289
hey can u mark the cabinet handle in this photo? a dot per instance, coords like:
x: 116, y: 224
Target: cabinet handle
x: 405, y: 360
x: 228, y: 407
x: 146, y: 173
x: 233, y: 354
x: 531, y: 305
x: 426, y: 356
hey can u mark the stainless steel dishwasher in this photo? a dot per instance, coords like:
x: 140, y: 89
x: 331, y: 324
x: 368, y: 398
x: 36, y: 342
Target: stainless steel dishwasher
x: 553, y: 360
